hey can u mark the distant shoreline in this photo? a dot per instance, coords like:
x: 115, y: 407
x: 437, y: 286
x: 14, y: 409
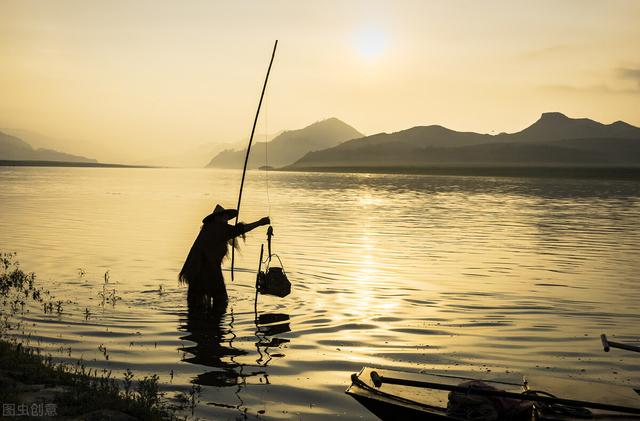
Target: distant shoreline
x: 9, y: 163
x: 539, y: 171
x: 603, y: 172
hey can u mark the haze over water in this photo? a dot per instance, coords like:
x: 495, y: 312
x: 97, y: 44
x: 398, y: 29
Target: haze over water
x: 473, y: 275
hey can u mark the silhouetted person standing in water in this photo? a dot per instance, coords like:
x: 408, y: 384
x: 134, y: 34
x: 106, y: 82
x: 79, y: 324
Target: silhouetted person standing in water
x: 202, y: 271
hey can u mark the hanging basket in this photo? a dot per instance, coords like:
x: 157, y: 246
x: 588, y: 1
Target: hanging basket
x: 274, y: 281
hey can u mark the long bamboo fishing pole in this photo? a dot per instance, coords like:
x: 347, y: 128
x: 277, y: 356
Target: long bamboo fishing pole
x: 246, y: 158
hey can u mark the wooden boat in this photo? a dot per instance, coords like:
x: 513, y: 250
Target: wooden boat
x: 397, y: 395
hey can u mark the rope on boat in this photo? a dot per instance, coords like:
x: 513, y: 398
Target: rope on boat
x: 558, y: 408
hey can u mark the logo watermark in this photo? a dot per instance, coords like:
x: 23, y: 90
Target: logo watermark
x: 29, y: 410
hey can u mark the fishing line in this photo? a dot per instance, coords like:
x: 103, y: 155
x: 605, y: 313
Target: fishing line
x: 246, y: 158
x: 266, y: 150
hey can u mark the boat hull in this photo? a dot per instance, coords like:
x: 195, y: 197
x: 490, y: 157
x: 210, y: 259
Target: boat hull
x: 402, y: 400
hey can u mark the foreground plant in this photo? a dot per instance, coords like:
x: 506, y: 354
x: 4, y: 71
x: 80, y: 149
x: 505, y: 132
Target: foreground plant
x: 73, y: 389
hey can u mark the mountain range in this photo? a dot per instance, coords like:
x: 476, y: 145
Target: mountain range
x: 13, y: 148
x: 288, y: 146
x: 554, y: 139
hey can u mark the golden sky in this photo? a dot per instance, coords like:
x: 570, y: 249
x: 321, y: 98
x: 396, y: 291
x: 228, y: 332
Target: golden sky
x: 123, y: 80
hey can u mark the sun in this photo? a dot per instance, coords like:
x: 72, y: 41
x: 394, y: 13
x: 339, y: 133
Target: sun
x: 370, y: 43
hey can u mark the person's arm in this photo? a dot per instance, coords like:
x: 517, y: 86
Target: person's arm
x: 245, y: 228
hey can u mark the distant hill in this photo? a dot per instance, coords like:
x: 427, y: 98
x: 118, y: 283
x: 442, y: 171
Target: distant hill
x: 200, y: 155
x: 21, y: 163
x: 15, y: 149
x: 289, y: 146
x: 557, y: 126
x: 553, y: 139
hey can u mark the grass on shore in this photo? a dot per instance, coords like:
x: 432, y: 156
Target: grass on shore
x: 28, y: 377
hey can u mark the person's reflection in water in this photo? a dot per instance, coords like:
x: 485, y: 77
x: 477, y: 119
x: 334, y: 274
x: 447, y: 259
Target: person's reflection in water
x: 213, y: 339
x: 213, y: 343
x: 211, y: 329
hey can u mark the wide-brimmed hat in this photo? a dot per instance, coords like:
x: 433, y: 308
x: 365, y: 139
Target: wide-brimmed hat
x: 220, y: 211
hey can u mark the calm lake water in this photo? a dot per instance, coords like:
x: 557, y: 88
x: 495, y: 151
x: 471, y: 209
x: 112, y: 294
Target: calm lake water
x: 468, y: 275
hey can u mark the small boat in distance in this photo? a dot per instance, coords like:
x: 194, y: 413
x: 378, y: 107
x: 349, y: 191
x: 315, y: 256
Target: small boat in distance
x: 398, y: 395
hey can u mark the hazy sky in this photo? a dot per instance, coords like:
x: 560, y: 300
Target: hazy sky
x: 123, y: 80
